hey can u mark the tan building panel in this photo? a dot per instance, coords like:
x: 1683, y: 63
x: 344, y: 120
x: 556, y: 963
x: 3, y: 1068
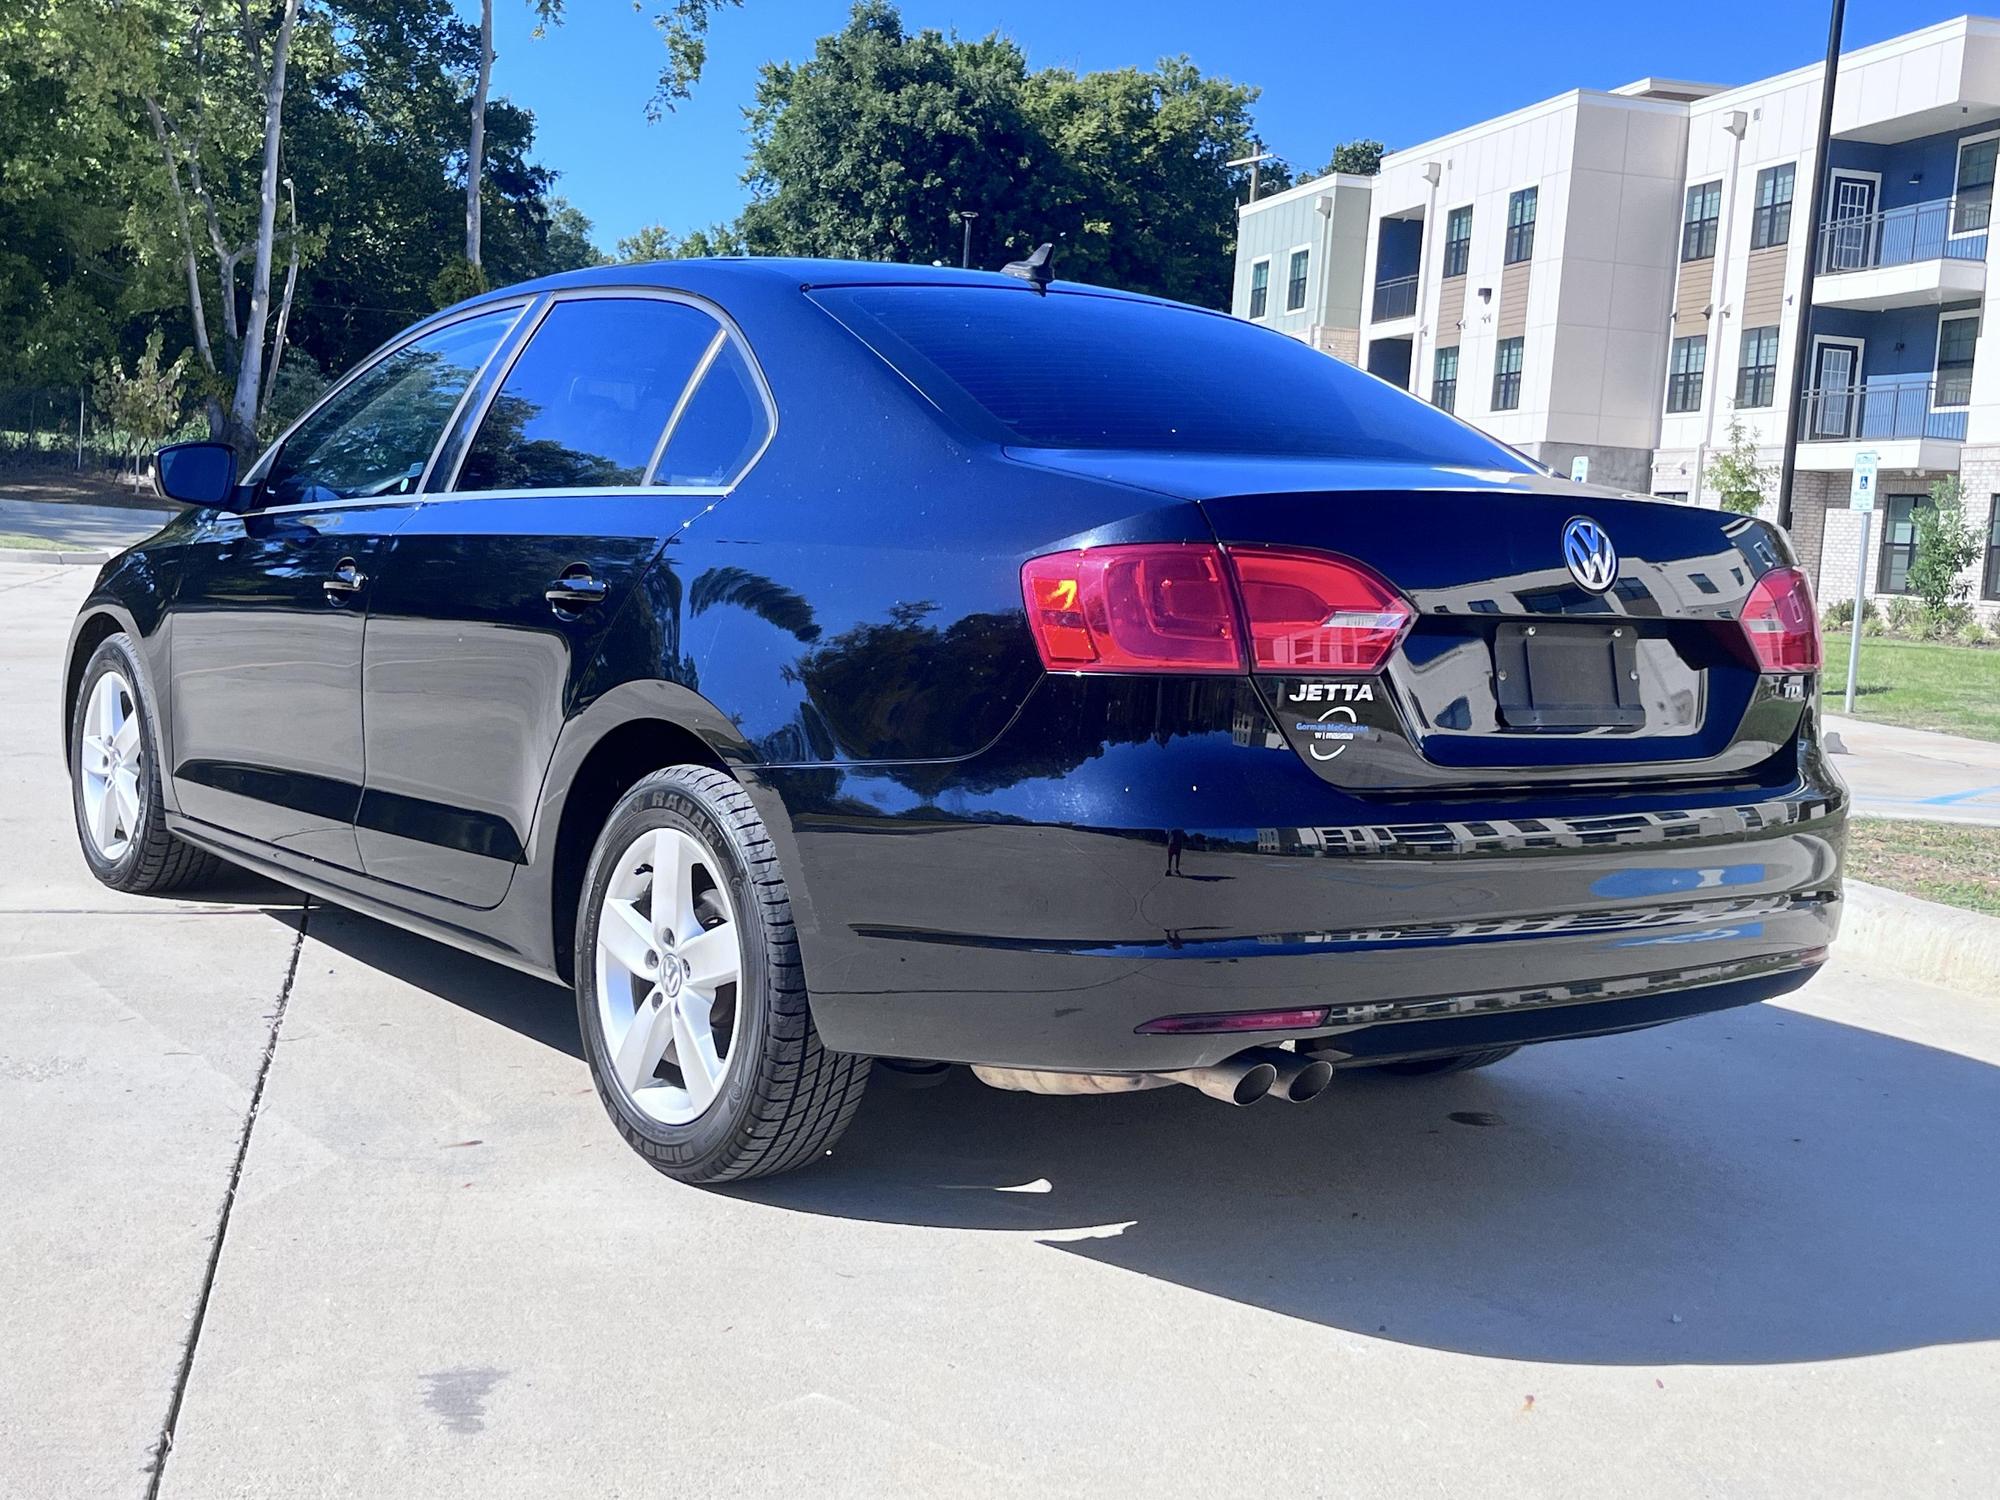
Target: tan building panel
x: 1764, y: 288
x: 1451, y: 308
x: 1692, y: 292
x: 1513, y: 317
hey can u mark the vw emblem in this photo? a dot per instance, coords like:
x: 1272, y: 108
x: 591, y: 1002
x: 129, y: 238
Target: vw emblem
x: 1593, y: 561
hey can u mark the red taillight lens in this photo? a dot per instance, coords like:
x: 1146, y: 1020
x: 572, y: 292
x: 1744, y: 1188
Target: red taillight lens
x: 1151, y: 608
x: 1312, y: 613
x: 1182, y: 606
x: 1781, y: 624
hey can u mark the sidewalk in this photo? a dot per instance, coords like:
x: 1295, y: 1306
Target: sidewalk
x: 1916, y: 773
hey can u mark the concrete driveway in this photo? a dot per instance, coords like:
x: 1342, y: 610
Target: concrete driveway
x: 335, y: 1209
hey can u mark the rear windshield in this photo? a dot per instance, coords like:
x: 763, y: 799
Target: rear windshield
x: 1074, y: 370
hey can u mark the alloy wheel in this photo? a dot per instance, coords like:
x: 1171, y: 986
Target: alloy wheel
x: 669, y: 969
x: 112, y: 758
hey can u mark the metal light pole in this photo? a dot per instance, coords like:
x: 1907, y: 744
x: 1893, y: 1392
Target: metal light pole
x: 1802, y: 332
x: 965, y: 217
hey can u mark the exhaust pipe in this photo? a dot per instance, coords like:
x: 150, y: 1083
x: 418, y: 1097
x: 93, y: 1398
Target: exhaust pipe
x: 1299, y: 1077
x: 1242, y: 1079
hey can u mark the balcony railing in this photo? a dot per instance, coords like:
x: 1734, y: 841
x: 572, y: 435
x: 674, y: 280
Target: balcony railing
x: 1395, y: 299
x: 1946, y: 229
x: 1887, y: 409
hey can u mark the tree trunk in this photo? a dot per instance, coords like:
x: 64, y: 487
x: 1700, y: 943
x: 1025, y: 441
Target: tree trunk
x: 475, y: 154
x: 250, y: 371
x: 284, y: 307
x: 197, y: 314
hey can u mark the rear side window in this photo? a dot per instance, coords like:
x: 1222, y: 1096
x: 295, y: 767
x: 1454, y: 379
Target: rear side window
x: 722, y: 427
x: 587, y: 401
x: 1074, y: 370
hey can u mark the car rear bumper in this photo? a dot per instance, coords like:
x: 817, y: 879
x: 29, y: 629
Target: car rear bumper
x: 1035, y: 909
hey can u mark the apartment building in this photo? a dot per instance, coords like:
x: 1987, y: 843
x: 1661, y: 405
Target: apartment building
x: 1896, y: 359
x: 1520, y: 273
x: 1299, y: 257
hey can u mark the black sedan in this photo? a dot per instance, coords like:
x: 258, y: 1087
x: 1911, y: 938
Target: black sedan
x: 815, y: 663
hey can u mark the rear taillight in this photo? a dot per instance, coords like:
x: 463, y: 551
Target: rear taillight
x: 1781, y: 624
x: 1152, y: 608
x: 1184, y: 607
x: 1312, y: 613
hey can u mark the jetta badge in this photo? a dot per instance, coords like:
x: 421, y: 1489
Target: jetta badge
x: 1592, y: 560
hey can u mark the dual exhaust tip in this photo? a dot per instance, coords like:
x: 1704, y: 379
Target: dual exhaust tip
x: 1259, y: 1073
x: 1253, y: 1074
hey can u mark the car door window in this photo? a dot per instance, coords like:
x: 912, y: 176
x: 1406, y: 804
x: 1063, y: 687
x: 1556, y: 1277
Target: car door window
x: 721, y: 429
x: 587, y: 400
x: 376, y: 434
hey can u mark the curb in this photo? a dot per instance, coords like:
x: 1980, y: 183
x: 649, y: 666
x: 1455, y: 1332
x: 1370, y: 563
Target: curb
x: 35, y: 555
x: 1918, y: 939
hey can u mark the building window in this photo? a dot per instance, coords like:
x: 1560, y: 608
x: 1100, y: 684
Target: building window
x: 1771, y: 224
x: 1444, y: 379
x: 1956, y: 338
x: 1260, y: 288
x: 1684, y: 372
x: 1521, y: 225
x: 1972, y: 208
x: 1899, y: 542
x: 1698, y: 225
x: 1457, y: 240
x: 1295, y: 280
x: 1989, y: 587
x: 1757, y: 368
x: 1507, y: 375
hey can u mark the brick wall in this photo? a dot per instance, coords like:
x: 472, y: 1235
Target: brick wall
x: 1341, y: 343
x: 1834, y: 581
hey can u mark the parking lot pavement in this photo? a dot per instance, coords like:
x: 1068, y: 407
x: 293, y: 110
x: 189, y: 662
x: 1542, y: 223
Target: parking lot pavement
x: 82, y: 527
x: 1916, y: 773
x: 1748, y: 1255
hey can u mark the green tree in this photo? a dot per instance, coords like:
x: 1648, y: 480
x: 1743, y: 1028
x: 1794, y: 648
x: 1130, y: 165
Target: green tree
x: 146, y: 405
x: 1735, y: 474
x: 1362, y: 158
x: 880, y: 145
x: 1946, y: 547
x: 657, y: 242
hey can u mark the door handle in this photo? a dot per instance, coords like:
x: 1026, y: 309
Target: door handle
x: 346, y: 581
x: 576, y: 589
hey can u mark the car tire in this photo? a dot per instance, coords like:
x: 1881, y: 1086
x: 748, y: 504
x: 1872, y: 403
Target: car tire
x: 764, y: 1095
x: 114, y: 772
x: 1457, y: 1062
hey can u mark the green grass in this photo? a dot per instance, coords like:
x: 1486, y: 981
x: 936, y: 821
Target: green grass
x: 30, y: 543
x: 1922, y: 684
x: 1949, y: 862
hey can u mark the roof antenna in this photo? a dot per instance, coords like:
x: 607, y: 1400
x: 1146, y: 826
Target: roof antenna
x: 1035, y: 269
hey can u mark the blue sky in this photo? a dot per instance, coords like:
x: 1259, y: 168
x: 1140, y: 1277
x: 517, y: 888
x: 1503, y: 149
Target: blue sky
x: 588, y: 82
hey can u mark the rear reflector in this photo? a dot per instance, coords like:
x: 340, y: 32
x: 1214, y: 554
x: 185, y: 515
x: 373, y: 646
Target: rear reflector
x: 1781, y: 623
x: 1237, y: 1020
x: 1309, y: 612
x: 1184, y: 606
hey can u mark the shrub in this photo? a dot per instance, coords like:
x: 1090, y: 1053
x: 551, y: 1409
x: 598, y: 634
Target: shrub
x: 1946, y: 547
x: 1972, y: 634
x: 1840, y: 615
x: 1872, y: 625
x: 1906, y: 615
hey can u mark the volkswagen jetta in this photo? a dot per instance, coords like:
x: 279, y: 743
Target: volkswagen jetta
x: 813, y: 663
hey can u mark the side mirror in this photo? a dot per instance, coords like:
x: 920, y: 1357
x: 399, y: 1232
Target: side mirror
x: 196, y: 473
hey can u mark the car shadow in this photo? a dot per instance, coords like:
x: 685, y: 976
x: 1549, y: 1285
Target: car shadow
x: 534, y: 1008
x: 1763, y: 1187
x: 1756, y: 1187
